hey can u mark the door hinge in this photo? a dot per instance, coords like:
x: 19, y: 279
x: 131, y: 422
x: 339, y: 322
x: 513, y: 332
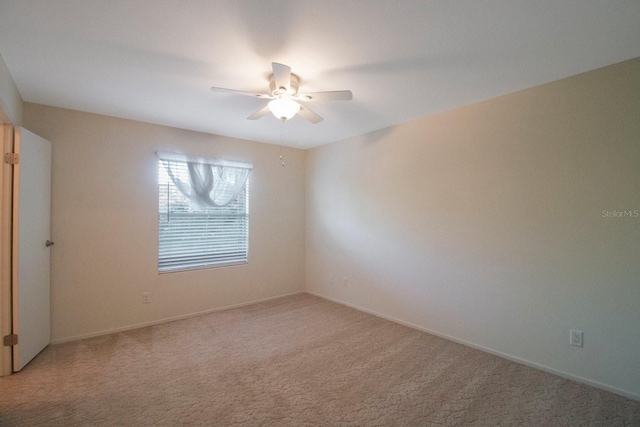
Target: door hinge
x: 12, y: 158
x: 10, y: 340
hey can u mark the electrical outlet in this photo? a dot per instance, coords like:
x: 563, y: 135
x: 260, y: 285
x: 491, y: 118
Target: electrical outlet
x: 575, y: 338
x: 146, y: 297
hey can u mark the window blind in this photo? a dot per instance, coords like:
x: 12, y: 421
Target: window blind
x: 192, y: 237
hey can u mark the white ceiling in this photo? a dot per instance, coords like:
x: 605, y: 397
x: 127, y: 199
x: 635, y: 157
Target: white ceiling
x: 155, y: 60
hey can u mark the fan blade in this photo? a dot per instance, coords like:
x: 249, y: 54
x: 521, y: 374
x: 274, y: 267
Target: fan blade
x: 260, y: 113
x: 282, y: 76
x: 240, y: 92
x: 336, y: 95
x: 309, y: 115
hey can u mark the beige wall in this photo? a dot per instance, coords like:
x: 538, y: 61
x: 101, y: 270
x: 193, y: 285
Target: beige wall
x: 104, y: 223
x: 485, y: 224
x: 10, y: 100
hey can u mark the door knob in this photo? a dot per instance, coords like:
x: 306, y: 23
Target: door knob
x: 48, y: 243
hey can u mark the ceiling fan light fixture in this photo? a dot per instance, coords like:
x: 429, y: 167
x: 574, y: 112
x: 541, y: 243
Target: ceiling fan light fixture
x: 284, y: 107
x: 283, y: 85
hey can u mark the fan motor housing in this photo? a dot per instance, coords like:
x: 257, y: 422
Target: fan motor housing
x: 293, y: 86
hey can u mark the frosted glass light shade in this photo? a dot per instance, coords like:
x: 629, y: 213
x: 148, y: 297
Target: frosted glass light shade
x: 284, y: 108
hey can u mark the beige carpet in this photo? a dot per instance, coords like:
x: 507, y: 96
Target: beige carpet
x: 296, y: 361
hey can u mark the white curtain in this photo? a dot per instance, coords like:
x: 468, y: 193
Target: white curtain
x: 210, y: 183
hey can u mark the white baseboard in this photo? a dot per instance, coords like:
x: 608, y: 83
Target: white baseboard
x: 586, y: 381
x: 168, y: 319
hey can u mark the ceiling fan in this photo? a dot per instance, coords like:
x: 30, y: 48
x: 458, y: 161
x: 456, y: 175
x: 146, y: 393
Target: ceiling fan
x: 284, y: 96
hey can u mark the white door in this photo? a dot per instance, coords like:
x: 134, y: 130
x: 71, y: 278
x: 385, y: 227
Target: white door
x: 31, y: 228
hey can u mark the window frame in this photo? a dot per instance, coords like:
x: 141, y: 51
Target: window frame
x: 214, y: 253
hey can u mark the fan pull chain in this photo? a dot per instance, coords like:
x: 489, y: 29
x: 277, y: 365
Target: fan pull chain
x: 282, y: 142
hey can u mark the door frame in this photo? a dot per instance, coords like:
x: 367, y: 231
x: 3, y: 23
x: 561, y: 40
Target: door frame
x: 6, y: 213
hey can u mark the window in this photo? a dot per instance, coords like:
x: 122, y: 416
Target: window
x: 193, y: 235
